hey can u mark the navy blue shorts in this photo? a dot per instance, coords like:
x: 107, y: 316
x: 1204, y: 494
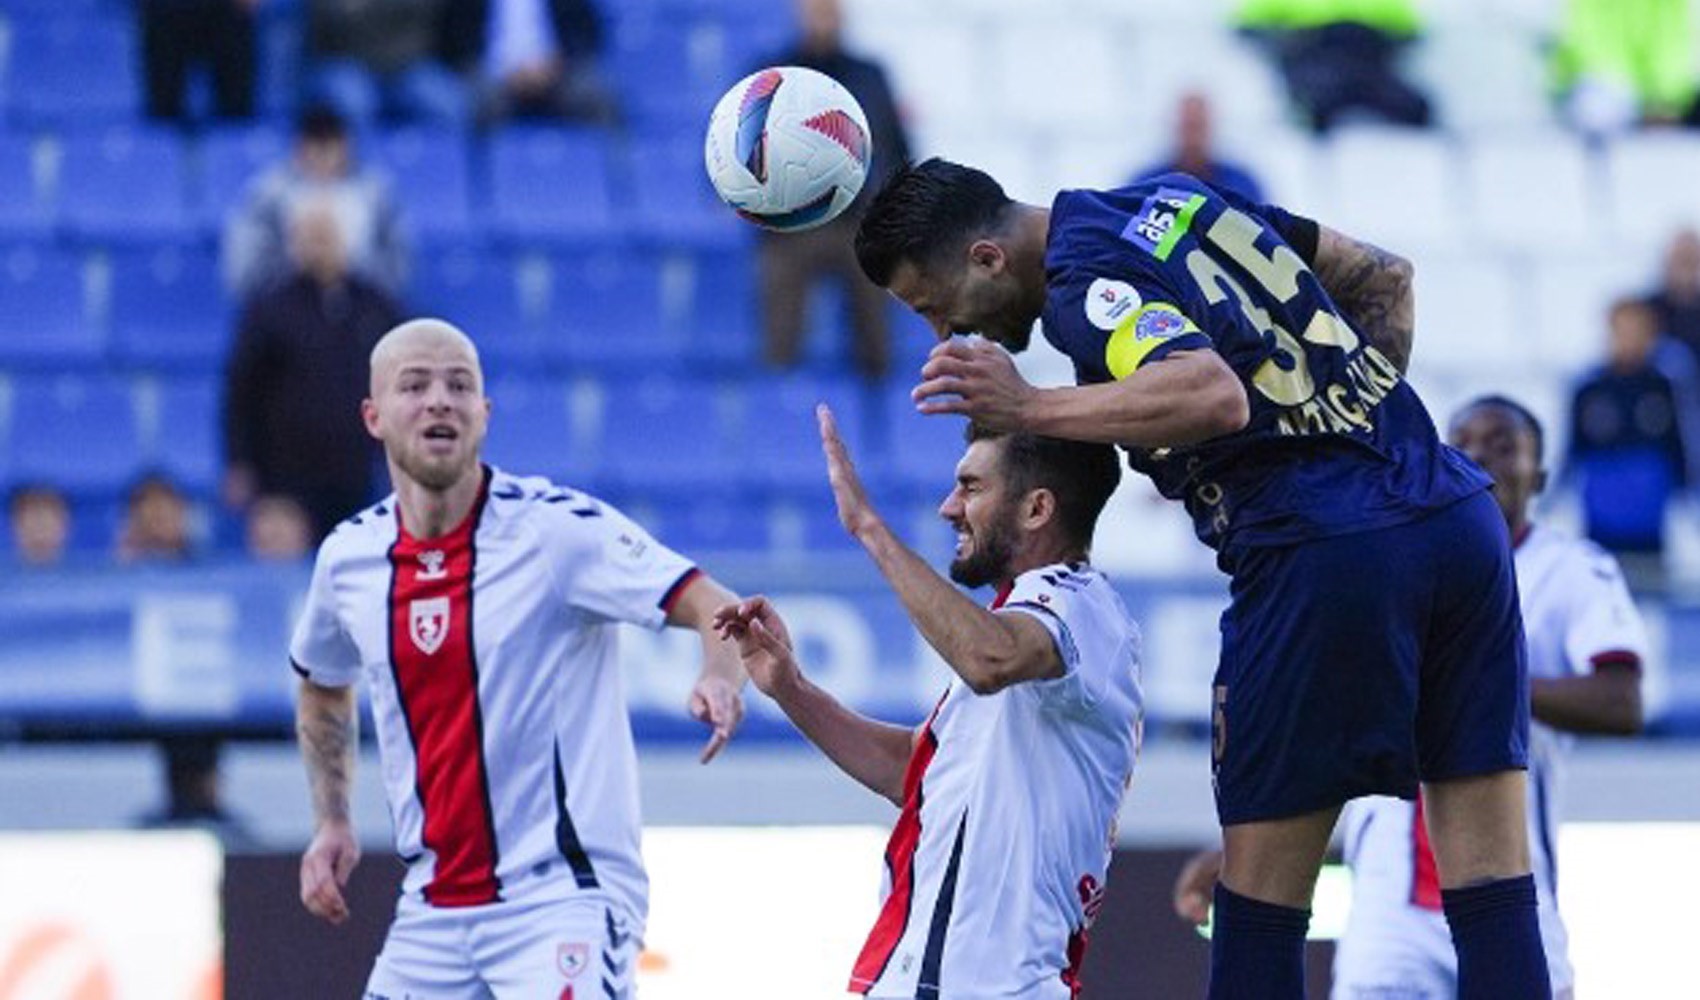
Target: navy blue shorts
x: 1364, y: 663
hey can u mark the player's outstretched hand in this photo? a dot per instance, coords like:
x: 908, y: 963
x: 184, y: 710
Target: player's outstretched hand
x: 975, y: 378
x: 325, y: 868
x: 1195, y: 886
x: 716, y: 702
x: 764, y: 643
x: 854, y: 511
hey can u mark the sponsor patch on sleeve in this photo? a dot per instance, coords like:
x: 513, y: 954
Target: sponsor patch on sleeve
x: 1134, y: 339
x: 1162, y: 219
x: 1108, y: 302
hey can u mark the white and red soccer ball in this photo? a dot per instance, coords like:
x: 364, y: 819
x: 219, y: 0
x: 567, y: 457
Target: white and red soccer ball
x: 788, y: 148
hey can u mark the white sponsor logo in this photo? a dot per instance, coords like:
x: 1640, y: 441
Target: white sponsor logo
x: 429, y: 623
x: 431, y: 565
x: 1109, y: 302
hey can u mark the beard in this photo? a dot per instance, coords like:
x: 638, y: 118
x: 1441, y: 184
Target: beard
x: 433, y: 475
x: 989, y: 559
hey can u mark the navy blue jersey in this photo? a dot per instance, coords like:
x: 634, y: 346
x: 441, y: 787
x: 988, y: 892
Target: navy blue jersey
x: 1338, y: 441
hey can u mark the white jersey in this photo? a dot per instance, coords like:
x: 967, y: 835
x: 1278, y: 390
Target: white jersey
x: 489, y: 655
x: 1577, y: 615
x: 997, y: 863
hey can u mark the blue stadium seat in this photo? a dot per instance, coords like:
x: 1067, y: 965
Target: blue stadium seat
x: 697, y: 527
x: 432, y: 174
x: 68, y: 69
x: 532, y: 430
x: 478, y: 292
x: 43, y: 314
x: 125, y: 185
x: 922, y: 450
x: 605, y: 309
x: 79, y: 433
x: 664, y: 433
x: 723, y: 320
x: 169, y: 309
x: 672, y: 201
x: 231, y: 156
x: 781, y: 446
x: 187, y: 436
x: 25, y: 212
x: 550, y: 185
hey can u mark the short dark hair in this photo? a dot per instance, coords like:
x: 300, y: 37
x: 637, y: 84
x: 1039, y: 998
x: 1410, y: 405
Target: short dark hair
x: 1080, y: 474
x: 321, y: 123
x: 923, y: 210
x: 25, y: 492
x: 1518, y: 411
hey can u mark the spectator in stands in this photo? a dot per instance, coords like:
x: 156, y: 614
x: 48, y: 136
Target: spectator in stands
x: 1194, y: 153
x: 297, y: 375
x: 793, y: 263
x: 381, y: 59
x: 1677, y: 299
x: 156, y: 529
x: 323, y: 166
x: 1622, y: 62
x: 278, y: 530
x: 156, y: 522
x: 41, y: 524
x: 178, y: 35
x: 1339, y: 57
x: 530, y: 58
x: 1626, y: 446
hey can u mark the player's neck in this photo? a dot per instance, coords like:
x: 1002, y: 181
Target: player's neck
x: 432, y: 513
x: 1040, y: 554
x: 1033, y: 230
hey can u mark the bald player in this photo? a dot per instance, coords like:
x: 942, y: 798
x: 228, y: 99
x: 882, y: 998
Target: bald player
x: 480, y: 608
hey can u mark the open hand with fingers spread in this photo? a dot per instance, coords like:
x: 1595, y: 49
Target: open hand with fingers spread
x: 983, y: 379
x: 854, y: 511
x: 764, y: 643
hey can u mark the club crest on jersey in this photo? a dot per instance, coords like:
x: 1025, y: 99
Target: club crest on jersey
x: 428, y: 623
x: 572, y: 959
x: 431, y: 565
x: 1107, y: 302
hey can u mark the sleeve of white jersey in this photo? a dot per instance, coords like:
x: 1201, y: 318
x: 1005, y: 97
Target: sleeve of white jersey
x: 610, y: 568
x: 1091, y: 638
x: 1603, y: 624
x: 321, y: 649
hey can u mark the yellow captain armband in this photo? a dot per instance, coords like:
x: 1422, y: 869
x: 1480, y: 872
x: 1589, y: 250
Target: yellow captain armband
x: 1136, y: 336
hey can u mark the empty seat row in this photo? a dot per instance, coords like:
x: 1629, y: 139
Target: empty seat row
x: 93, y: 434
x: 143, y: 184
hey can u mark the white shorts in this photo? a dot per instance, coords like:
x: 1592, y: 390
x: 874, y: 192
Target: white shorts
x: 581, y: 948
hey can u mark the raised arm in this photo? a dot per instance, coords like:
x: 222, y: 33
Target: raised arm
x: 717, y: 698
x: 875, y: 753
x: 1184, y: 398
x: 988, y: 651
x: 326, y: 725
x: 1373, y: 288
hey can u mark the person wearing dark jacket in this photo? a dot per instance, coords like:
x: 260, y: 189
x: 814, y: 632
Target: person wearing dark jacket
x: 792, y: 263
x: 296, y: 378
x: 532, y: 59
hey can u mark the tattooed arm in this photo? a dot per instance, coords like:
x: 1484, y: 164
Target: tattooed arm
x: 1373, y: 288
x: 327, y: 728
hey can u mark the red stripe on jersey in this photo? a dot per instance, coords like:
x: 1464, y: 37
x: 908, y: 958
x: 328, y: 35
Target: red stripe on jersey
x: 893, y: 918
x: 436, y: 676
x: 677, y: 590
x: 1425, y: 876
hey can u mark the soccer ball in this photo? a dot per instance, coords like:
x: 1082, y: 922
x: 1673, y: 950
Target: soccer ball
x: 788, y: 148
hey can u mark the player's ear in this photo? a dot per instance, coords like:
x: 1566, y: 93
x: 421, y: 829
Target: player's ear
x: 1038, y: 508
x: 986, y: 254
x: 1540, y: 485
x: 369, y: 415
